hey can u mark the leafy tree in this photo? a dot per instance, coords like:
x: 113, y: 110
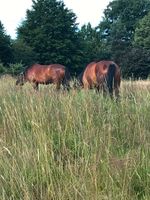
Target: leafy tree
x: 142, y: 32
x: 50, y: 29
x: 2, y: 68
x: 118, y: 27
x: 94, y: 48
x: 121, y: 18
x: 137, y: 61
x: 140, y: 55
x: 23, y: 53
x: 5, y: 46
x: 15, y: 68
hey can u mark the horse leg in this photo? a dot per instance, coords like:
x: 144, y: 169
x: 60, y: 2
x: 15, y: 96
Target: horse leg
x: 111, y: 93
x: 86, y: 85
x: 116, y: 88
x: 58, y: 86
x: 117, y: 96
x: 36, y: 86
x: 66, y: 85
x: 106, y: 90
x: 102, y: 85
x: 97, y: 88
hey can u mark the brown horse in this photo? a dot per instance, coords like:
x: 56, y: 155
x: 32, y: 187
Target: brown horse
x: 103, y: 75
x: 45, y: 74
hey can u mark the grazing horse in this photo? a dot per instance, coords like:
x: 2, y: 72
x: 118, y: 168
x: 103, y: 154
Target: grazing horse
x: 103, y: 75
x: 45, y: 74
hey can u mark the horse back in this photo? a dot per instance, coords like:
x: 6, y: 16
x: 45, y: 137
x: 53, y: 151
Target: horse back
x: 105, y: 68
x: 45, y: 73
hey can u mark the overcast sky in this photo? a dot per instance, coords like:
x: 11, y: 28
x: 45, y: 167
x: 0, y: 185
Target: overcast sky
x: 12, y: 12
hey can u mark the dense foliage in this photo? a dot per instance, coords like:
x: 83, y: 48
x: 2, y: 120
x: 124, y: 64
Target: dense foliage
x: 5, y: 48
x: 50, y: 34
x: 118, y: 29
x: 142, y: 32
x: 94, y: 47
x: 51, y: 30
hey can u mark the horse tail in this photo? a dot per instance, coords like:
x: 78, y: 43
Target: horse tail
x: 67, y: 75
x: 110, y: 77
x: 66, y: 79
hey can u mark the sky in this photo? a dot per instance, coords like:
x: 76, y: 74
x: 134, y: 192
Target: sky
x: 13, y: 12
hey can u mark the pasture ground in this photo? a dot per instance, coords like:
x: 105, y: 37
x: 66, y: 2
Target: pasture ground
x: 76, y: 145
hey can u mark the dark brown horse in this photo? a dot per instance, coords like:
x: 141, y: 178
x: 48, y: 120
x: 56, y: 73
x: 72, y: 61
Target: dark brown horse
x: 45, y: 74
x: 103, y: 75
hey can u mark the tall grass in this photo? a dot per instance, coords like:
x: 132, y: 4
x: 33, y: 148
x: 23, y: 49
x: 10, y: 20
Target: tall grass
x: 76, y: 145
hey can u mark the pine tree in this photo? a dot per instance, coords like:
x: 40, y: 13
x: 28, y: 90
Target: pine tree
x: 5, y: 46
x: 94, y: 48
x: 118, y: 28
x: 142, y: 33
x: 50, y: 29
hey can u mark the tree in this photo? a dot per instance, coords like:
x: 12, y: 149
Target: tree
x: 50, y: 29
x: 140, y: 55
x: 142, y: 32
x: 137, y: 61
x: 118, y: 27
x: 121, y: 17
x: 5, y: 46
x: 23, y: 53
x: 94, y: 49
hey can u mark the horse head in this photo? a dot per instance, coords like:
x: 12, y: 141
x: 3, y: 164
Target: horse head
x: 20, y: 80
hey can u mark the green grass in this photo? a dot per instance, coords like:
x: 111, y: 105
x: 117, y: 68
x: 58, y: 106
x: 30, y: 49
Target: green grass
x: 76, y: 145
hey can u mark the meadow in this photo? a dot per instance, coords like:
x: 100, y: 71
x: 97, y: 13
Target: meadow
x: 75, y: 145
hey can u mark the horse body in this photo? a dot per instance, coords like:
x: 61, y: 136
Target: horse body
x: 103, y: 75
x: 45, y: 74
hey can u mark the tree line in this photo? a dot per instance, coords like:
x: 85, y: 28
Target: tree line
x: 50, y: 34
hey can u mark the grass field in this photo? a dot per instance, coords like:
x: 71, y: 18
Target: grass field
x: 74, y: 146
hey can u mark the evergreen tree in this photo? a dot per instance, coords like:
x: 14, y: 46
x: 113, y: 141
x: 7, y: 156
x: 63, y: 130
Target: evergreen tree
x: 22, y: 53
x: 94, y: 47
x: 137, y: 61
x: 50, y: 29
x: 140, y: 54
x: 5, y: 46
x: 142, y: 32
x: 118, y: 27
